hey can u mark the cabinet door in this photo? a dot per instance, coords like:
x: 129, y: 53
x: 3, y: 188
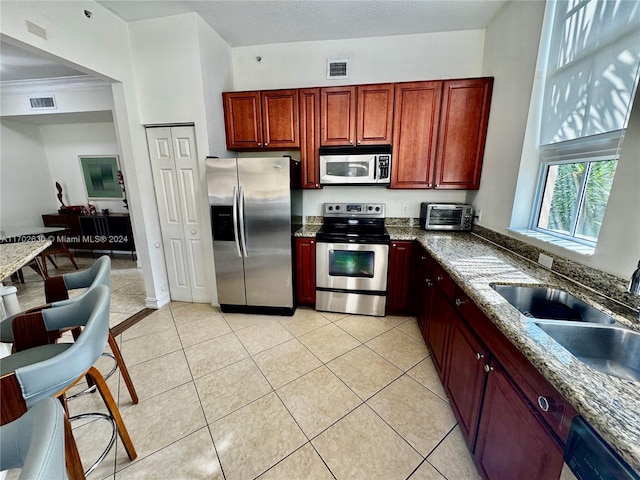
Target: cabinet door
x: 306, y: 271
x: 338, y: 111
x: 423, y: 289
x: 399, y: 294
x: 465, y: 376
x: 310, y: 136
x: 438, y: 325
x: 242, y: 120
x: 416, y: 116
x: 512, y: 441
x: 375, y: 114
x: 73, y: 234
x: 280, y: 119
x: 462, y: 133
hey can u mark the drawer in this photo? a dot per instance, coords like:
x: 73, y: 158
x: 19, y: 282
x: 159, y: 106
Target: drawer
x: 444, y: 281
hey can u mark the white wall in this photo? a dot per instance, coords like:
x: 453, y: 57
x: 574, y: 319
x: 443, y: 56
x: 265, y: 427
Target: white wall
x: 510, y: 169
x: 373, y: 60
x: 512, y: 62
x: 100, y: 46
x: 26, y: 190
x: 63, y: 144
x: 182, y: 66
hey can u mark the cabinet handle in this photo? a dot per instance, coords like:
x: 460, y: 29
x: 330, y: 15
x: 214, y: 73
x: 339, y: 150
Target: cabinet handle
x: 459, y: 302
x: 193, y: 232
x: 266, y: 143
x: 479, y: 356
x: 487, y: 368
x: 422, y: 257
x: 350, y: 141
x: 439, y: 278
x: 259, y: 144
x: 395, y: 245
x: 543, y: 403
x: 311, y: 242
x: 428, y: 282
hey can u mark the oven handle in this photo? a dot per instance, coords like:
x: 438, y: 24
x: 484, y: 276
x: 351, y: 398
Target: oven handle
x: 243, y: 240
x: 235, y: 220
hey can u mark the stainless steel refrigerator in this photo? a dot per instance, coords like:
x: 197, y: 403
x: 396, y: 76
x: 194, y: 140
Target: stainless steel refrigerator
x: 255, y: 207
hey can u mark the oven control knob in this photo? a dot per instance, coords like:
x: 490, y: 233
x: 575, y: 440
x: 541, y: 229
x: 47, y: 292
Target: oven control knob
x: 370, y: 207
x: 377, y: 209
x: 330, y: 208
x: 337, y: 207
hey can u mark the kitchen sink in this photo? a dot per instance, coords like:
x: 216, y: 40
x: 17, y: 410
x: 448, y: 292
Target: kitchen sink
x: 551, y: 303
x: 611, y: 349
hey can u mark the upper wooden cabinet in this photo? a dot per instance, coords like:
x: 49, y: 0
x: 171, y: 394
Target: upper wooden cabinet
x: 361, y: 115
x: 255, y: 120
x: 310, y: 136
x: 439, y: 133
x: 463, y: 129
x: 417, y: 113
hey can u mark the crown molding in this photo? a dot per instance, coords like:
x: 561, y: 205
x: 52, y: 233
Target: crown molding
x: 51, y: 85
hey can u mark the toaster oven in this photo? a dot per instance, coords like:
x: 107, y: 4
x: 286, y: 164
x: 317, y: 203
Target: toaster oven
x: 446, y: 216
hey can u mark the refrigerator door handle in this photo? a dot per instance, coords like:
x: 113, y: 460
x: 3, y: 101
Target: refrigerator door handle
x: 241, y: 222
x: 235, y: 220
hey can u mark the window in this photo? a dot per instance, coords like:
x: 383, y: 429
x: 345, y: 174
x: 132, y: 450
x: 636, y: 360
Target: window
x: 590, y: 80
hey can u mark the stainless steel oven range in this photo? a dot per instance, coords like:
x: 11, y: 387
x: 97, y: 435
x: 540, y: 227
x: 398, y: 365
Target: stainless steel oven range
x: 352, y: 254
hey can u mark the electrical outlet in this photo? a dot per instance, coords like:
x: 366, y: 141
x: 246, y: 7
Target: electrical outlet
x: 545, y: 260
x: 405, y: 209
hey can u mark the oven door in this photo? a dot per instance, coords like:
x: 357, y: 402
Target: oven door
x: 347, y: 169
x: 352, y: 266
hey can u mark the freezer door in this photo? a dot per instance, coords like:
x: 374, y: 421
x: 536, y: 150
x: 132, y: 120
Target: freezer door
x: 222, y: 182
x: 266, y: 208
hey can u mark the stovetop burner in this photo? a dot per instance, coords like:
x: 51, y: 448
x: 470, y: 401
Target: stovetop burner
x: 353, y: 223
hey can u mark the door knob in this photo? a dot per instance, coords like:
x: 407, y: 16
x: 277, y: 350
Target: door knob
x: 193, y: 232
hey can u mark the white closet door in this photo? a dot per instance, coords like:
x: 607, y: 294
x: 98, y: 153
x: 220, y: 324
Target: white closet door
x: 174, y: 162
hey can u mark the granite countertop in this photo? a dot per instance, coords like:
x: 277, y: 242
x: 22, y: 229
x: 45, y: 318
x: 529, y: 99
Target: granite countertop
x: 611, y: 405
x: 14, y: 256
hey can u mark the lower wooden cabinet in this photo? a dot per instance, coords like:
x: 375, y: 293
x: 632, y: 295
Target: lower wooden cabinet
x: 399, y: 279
x: 465, y: 377
x: 306, y: 271
x: 494, y: 390
x: 513, y: 442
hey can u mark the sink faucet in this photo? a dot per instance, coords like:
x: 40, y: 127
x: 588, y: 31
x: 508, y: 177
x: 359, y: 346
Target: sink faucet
x: 634, y: 284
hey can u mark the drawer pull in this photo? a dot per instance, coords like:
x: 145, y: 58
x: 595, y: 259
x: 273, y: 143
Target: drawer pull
x: 487, y: 368
x: 479, y: 356
x: 543, y: 403
x: 459, y: 302
x: 423, y: 258
x: 428, y: 282
x: 439, y: 278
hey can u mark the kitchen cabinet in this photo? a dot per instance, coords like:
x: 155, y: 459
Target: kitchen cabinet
x: 462, y: 132
x: 513, y: 419
x: 512, y: 440
x: 256, y: 120
x: 416, y: 119
x: 400, y: 295
x: 306, y: 271
x: 439, y: 133
x: 357, y: 115
x: 423, y: 288
x: 465, y: 377
x: 309, y: 101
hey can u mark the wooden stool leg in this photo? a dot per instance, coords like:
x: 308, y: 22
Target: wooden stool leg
x: 123, y: 368
x: 72, y: 457
x: 103, y: 388
x: 68, y: 254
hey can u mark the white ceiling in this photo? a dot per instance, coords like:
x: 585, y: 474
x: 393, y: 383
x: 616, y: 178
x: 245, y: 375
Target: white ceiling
x: 258, y: 22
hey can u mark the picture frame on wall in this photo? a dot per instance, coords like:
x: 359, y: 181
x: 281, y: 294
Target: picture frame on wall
x: 100, y: 173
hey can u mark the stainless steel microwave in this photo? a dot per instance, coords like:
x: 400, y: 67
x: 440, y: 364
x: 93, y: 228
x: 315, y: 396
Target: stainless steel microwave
x: 364, y: 165
x: 446, y: 216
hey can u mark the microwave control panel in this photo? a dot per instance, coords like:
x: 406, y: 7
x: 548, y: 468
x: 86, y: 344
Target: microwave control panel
x: 383, y: 166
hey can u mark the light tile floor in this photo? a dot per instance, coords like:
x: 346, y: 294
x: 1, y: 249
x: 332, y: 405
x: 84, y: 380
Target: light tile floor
x: 232, y: 396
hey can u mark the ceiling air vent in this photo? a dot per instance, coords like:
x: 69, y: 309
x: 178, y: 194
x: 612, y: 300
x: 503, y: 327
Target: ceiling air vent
x: 337, y: 68
x: 46, y: 102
